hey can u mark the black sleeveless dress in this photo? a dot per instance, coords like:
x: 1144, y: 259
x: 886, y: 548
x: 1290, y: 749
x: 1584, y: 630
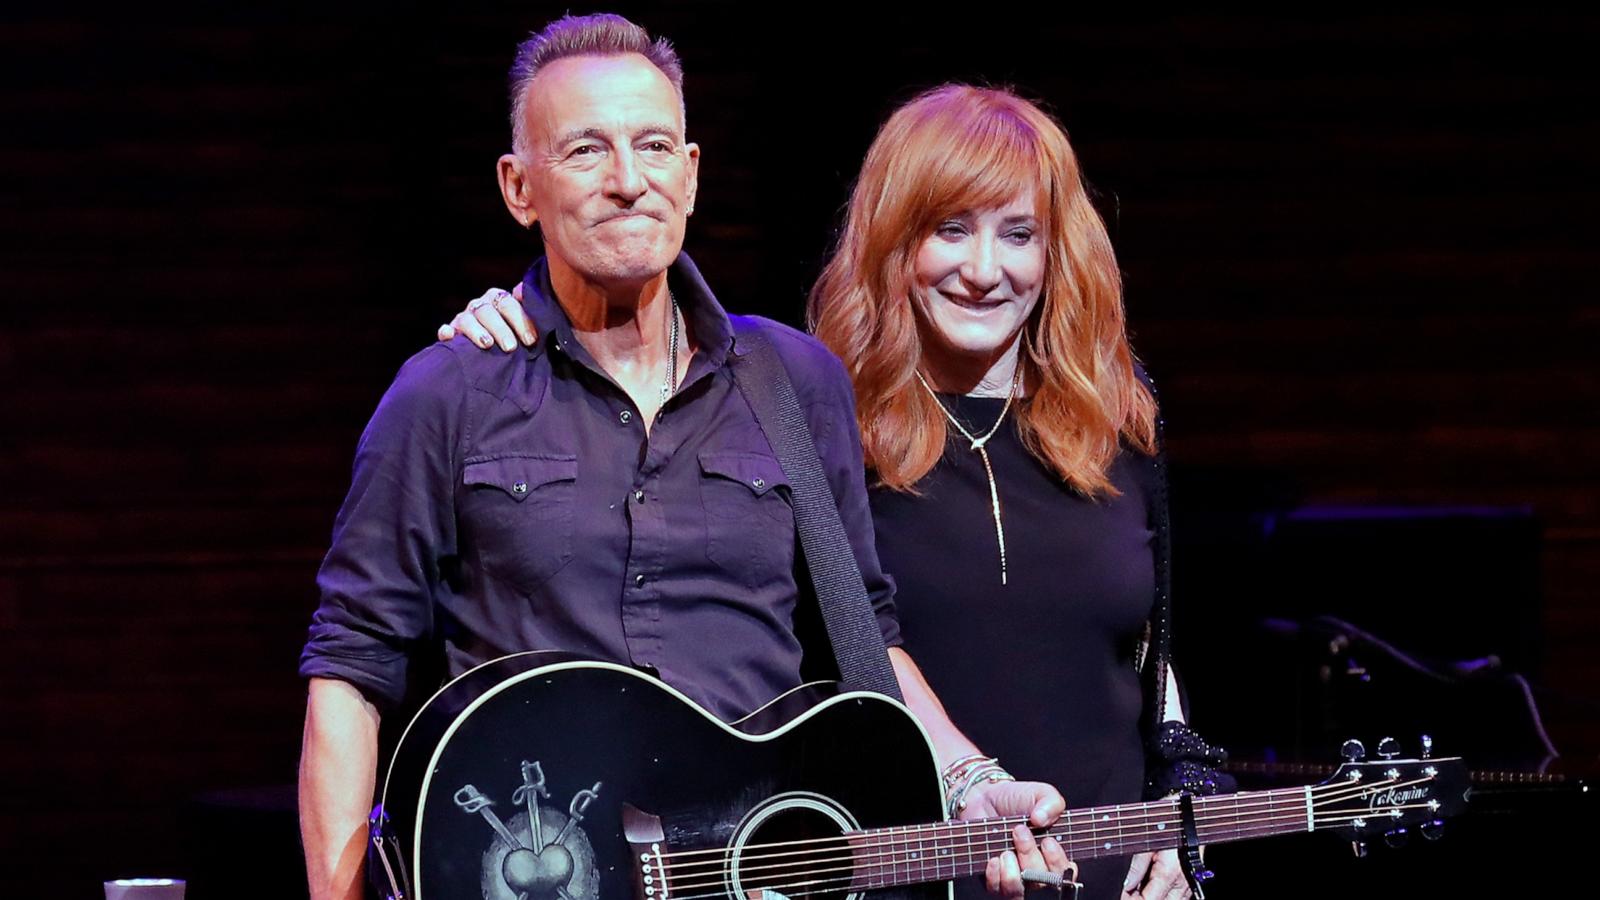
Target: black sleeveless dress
x: 1037, y: 672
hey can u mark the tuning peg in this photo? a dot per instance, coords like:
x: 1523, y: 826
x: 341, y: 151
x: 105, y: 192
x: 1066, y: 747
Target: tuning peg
x: 1396, y: 838
x: 1359, y: 848
x: 1353, y: 751
x: 1388, y: 748
x: 1433, y: 830
x: 1427, y: 746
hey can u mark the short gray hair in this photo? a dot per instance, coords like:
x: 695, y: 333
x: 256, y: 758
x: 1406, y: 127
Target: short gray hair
x: 600, y: 34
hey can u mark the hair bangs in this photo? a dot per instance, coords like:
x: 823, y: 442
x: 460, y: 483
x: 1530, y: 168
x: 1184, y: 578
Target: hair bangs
x: 980, y: 160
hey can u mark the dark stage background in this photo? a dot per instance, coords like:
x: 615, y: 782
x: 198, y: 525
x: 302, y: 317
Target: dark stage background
x: 1359, y: 257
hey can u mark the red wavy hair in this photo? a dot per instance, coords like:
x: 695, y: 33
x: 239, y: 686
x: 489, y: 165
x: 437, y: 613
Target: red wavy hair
x: 958, y: 148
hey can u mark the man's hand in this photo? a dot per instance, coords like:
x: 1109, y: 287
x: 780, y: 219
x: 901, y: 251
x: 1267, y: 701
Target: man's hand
x: 1042, y: 804
x: 496, y: 318
x: 1156, y: 877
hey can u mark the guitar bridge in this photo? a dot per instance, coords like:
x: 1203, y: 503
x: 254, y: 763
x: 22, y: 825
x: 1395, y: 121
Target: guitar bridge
x: 644, y: 834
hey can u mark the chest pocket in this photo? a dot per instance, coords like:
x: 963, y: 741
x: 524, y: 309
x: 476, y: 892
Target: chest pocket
x: 518, y: 512
x: 748, y: 516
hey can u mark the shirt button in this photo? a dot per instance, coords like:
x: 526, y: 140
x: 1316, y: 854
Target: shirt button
x: 638, y: 581
x: 520, y: 487
x: 638, y: 496
x: 759, y: 483
x: 625, y: 416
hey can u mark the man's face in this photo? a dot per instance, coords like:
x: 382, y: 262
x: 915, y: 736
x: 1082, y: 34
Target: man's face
x: 611, y: 176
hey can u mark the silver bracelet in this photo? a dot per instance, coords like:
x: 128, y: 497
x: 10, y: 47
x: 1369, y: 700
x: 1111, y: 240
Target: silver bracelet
x: 959, y: 769
x: 988, y: 772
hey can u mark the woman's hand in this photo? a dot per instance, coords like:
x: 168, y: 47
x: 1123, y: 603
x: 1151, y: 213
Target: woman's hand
x: 495, y: 318
x: 1042, y: 804
x: 1157, y: 876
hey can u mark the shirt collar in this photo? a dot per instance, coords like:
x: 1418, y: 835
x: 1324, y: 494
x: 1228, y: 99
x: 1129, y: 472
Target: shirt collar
x: 706, y: 318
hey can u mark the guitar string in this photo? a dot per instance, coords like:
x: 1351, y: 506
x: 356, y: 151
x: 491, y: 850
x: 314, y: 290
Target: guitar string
x: 843, y: 884
x: 840, y: 882
x: 851, y: 881
x: 1295, y: 795
x: 1219, y: 808
x: 967, y: 855
x: 988, y: 846
x: 1127, y: 835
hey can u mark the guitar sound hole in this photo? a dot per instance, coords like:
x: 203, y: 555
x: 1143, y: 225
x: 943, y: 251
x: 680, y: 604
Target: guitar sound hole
x: 794, y: 846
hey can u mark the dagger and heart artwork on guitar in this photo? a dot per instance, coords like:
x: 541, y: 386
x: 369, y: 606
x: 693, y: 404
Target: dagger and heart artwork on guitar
x: 554, y: 860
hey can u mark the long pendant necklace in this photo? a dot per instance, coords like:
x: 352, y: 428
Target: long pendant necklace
x: 979, y: 444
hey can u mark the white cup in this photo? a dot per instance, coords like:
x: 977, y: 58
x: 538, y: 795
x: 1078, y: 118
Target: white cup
x: 145, y: 889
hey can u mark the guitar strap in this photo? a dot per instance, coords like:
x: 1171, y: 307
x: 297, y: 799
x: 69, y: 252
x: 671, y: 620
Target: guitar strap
x: 846, y: 612
x: 1159, y: 654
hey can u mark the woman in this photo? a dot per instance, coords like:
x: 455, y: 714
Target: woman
x: 976, y: 302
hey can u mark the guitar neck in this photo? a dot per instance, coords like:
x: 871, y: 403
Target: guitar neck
x: 913, y: 854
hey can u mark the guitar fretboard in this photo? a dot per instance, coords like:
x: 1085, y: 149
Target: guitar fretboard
x: 887, y: 857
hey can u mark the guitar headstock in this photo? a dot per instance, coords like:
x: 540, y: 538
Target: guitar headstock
x: 1366, y: 799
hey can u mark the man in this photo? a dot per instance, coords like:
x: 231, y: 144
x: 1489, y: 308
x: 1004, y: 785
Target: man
x: 607, y: 491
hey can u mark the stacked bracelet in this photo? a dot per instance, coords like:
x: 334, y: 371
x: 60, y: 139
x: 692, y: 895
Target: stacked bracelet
x: 956, y: 772
x: 961, y: 776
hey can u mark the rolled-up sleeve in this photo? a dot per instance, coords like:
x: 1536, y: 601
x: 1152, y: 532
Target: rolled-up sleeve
x: 392, y: 535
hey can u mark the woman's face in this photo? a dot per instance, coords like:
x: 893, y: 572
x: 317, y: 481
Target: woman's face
x: 979, y: 275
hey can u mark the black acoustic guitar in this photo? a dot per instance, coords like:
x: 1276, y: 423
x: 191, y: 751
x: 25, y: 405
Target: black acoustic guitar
x: 541, y: 777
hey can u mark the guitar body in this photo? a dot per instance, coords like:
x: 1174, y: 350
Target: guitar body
x: 607, y: 753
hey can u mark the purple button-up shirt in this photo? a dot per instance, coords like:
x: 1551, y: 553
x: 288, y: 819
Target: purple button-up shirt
x: 509, y: 502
